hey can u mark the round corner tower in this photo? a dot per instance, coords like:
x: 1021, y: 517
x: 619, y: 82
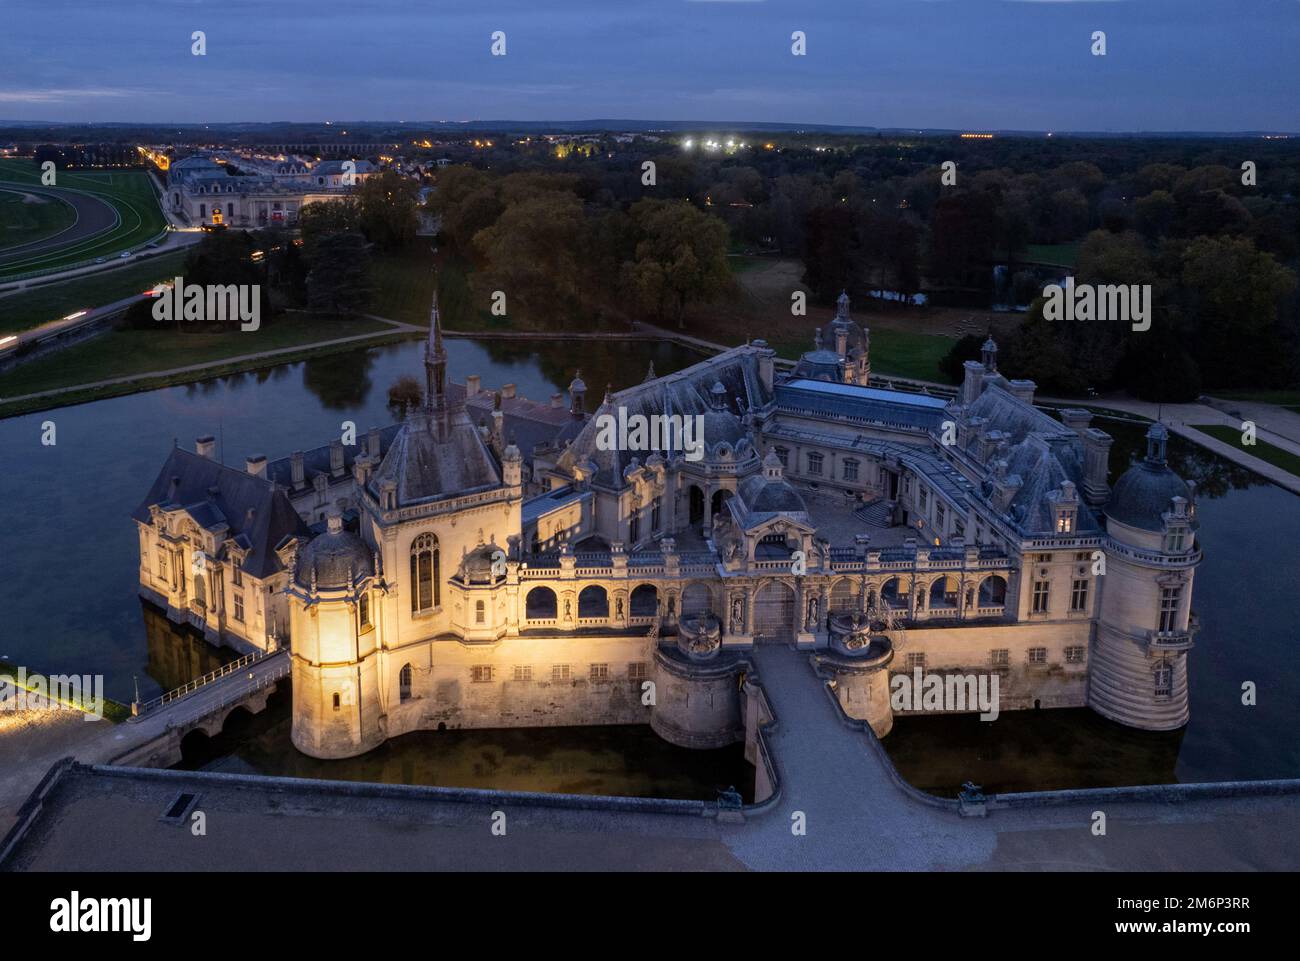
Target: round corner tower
x: 336, y: 703
x: 1138, y: 669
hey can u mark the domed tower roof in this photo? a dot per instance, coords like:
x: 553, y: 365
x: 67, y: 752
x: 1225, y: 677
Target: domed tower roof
x: 476, y: 566
x: 820, y: 363
x: 335, y: 559
x: 857, y: 338
x: 1143, y: 493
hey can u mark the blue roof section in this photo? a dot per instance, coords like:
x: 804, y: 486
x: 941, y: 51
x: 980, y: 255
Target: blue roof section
x: 543, y: 504
x: 912, y: 412
x: 867, y: 393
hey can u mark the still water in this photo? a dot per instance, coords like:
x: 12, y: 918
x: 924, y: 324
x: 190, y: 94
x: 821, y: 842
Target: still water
x: 68, y: 546
x: 68, y: 554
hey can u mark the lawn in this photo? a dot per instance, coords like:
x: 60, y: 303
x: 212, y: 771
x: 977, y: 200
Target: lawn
x: 1064, y: 255
x: 403, y: 282
x: 123, y: 353
x: 1283, y: 398
x: 1264, y: 451
x: 24, y: 222
x: 31, y: 308
x: 131, y: 192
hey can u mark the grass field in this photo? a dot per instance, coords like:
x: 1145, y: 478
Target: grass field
x: 1264, y: 451
x: 1066, y: 255
x: 130, y: 192
x: 123, y: 353
x: 25, y: 220
x: 403, y: 284
x: 1283, y: 398
x: 31, y: 308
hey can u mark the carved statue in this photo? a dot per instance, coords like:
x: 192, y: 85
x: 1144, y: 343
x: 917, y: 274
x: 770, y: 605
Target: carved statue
x: 618, y: 607
x: 737, y: 615
x: 568, y: 609
x: 812, y: 612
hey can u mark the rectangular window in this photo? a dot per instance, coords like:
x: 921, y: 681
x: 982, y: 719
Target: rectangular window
x: 162, y: 565
x: 1164, y: 681
x: 1169, y: 603
x: 1038, y: 655
x: 783, y: 455
x: 480, y: 612
x: 1042, y: 558
x: 1041, y: 589
x: 1000, y: 657
x: 599, y: 672
x: 1075, y: 653
x: 915, y: 660
x: 560, y: 672
x: 523, y: 672
x: 481, y: 673
x: 814, y: 463
x: 236, y: 576
x: 922, y: 498
x: 239, y: 608
x: 1079, y: 596
x: 1064, y: 522
x: 850, y: 470
x: 638, y: 671
x: 1175, y: 541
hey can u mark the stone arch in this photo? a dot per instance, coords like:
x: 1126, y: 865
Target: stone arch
x: 894, y: 593
x: 196, y: 745
x: 720, y: 497
x: 695, y: 496
x: 774, y: 612
x: 237, y: 718
x: 993, y: 591
x: 845, y: 594
x: 593, y: 602
x: 696, y: 598
x: 540, y: 604
x: 945, y: 593
x: 644, y: 601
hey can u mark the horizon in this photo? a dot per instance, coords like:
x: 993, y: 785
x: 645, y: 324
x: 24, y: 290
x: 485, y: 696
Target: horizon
x: 1195, y: 66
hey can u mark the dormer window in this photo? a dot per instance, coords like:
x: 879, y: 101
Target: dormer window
x: 1065, y: 522
x: 1176, y: 540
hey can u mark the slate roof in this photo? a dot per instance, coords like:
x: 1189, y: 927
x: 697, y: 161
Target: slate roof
x: 895, y: 407
x: 427, y: 466
x: 338, y: 558
x: 250, y: 510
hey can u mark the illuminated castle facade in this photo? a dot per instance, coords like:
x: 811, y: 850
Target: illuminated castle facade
x: 487, y: 562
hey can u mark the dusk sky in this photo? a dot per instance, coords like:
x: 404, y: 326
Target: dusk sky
x: 1214, y: 65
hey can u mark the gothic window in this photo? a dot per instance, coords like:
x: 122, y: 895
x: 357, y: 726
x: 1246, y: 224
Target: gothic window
x: 426, y: 586
x: 363, y: 612
x: 404, y: 683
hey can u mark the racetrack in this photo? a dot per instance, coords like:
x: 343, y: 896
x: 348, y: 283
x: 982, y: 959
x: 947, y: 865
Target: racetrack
x: 94, y: 217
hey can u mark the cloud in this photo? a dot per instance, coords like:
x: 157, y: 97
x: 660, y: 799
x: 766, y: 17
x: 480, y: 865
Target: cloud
x: 61, y: 94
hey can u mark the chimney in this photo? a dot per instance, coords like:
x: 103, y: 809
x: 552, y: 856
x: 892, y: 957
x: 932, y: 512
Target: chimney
x: 766, y: 365
x: 1077, y: 419
x: 1096, y: 466
x: 336, y: 457
x: 299, y: 476
x: 206, y: 446
x: 372, y: 443
x: 557, y: 401
x: 257, y: 465
x: 508, y: 391
x: 498, y: 435
x: 471, y: 385
x: 1023, y: 390
x: 973, y: 382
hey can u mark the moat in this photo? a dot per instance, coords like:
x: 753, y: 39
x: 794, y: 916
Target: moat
x: 74, y: 531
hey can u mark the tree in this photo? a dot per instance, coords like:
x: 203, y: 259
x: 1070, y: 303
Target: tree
x: 326, y: 217
x: 531, y: 255
x: 404, y: 393
x: 338, y: 282
x: 681, y: 255
x: 387, y: 205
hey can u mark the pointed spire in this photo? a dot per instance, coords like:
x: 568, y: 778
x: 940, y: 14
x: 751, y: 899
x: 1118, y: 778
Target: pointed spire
x: 435, y: 362
x: 650, y: 373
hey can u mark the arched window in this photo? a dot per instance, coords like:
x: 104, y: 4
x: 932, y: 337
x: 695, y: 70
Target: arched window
x: 404, y: 683
x: 645, y: 601
x: 893, y: 593
x: 426, y: 578
x: 593, y: 602
x: 993, y: 592
x: 540, y: 604
x: 943, y: 593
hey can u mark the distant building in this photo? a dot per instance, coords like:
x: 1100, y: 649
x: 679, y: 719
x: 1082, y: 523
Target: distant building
x: 201, y: 190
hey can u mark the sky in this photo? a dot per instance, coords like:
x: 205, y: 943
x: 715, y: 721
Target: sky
x: 1205, y: 65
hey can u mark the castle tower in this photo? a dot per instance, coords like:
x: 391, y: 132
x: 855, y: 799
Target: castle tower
x: 1138, y: 667
x: 334, y: 611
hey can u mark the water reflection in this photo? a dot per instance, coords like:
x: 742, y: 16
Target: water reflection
x: 69, y: 549
x: 626, y: 760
